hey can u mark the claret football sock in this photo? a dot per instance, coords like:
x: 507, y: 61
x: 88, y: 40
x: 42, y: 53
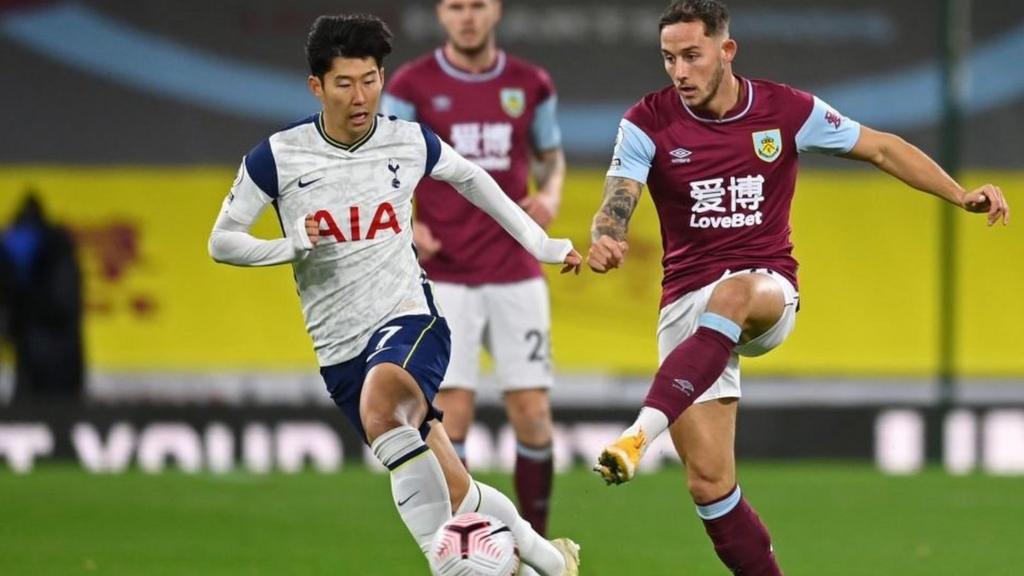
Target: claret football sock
x: 533, y: 474
x: 687, y: 373
x: 533, y: 548
x: 417, y: 482
x: 741, y: 540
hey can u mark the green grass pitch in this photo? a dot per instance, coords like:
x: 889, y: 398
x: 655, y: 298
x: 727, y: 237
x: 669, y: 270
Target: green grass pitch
x: 826, y: 520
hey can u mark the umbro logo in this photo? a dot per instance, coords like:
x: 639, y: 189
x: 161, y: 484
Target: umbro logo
x: 680, y: 156
x: 442, y: 103
x: 683, y: 386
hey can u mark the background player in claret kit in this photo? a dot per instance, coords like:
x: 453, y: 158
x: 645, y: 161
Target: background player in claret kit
x: 499, y: 112
x: 719, y: 153
x: 342, y: 183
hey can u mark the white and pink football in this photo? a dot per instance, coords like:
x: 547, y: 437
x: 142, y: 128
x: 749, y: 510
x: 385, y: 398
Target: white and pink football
x: 474, y: 545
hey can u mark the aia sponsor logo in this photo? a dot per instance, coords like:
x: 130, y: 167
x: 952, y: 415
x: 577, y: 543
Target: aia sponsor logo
x: 384, y: 218
x: 680, y: 156
x: 833, y: 118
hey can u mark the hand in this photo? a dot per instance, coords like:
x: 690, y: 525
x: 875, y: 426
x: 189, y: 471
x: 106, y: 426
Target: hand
x: 988, y: 198
x: 541, y: 207
x: 426, y: 245
x: 312, y: 229
x: 606, y: 253
x: 572, y: 262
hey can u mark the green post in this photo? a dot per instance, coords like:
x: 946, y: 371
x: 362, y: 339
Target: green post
x: 955, y: 37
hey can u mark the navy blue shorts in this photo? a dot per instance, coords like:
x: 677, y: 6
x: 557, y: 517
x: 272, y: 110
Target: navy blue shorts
x: 420, y: 344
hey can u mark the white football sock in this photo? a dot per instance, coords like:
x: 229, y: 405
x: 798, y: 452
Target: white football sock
x: 653, y: 421
x: 417, y: 482
x: 533, y: 548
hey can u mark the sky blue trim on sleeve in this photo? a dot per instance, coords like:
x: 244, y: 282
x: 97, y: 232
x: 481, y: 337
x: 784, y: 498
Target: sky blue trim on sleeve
x: 720, y: 508
x: 721, y: 324
x: 634, y: 153
x: 546, y: 133
x: 826, y: 130
x: 394, y: 106
x: 433, y: 149
x: 262, y: 168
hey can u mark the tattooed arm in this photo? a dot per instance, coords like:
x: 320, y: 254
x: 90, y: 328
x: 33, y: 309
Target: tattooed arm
x: 611, y: 223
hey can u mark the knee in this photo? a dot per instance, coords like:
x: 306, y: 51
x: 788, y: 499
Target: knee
x: 531, y: 420
x: 533, y: 414
x: 377, y: 422
x: 732, y: 300
x: 390, y: 399
x: 709, y: 483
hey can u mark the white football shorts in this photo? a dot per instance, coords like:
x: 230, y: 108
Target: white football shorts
x: 512, y: 321
x: 678, y: 321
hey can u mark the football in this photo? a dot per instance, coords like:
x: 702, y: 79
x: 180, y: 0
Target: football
x: 474, y: 545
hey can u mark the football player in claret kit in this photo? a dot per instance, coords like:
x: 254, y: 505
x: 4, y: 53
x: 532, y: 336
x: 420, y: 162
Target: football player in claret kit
x: 342, y: 182
x: 499, y: 112
x: 719, y: 153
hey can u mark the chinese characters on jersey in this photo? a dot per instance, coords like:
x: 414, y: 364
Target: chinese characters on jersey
x: 486, y: 144
x: 733, y: 205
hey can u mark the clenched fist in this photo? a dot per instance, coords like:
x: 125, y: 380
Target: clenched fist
x: 606, y: 253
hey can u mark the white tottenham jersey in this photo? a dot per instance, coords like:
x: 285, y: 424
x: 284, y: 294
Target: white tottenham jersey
x: 363, y: 270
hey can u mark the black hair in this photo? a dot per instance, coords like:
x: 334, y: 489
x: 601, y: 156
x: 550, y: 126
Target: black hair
x: 714, y: 15
x: 347, y: 36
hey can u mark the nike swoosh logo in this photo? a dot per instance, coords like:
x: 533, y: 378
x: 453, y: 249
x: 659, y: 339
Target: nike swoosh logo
x: 402, y: 502
x: 304, y: 184
x: 378, y: 352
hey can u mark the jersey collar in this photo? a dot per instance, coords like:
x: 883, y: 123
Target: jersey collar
x: 742, y: 109
x: 339, y: 144
x: 459, y: 74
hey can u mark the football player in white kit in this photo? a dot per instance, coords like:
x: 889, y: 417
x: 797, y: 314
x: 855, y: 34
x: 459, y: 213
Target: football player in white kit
x: 342, y: 182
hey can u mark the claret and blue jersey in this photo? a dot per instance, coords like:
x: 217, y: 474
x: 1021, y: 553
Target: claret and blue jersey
x: 497, y: 119
x: 723, y: 187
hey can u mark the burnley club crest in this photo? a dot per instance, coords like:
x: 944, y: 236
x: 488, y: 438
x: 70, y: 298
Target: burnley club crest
x: 768, y: 144
x: 513, y: 101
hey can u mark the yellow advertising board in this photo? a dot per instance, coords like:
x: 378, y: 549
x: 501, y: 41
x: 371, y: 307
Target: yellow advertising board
x: 867, y: 246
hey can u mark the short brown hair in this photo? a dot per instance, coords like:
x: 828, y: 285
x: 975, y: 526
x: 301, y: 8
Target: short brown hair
x: 714, y: 15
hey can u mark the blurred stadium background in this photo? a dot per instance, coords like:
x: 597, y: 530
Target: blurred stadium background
x: 129, y: 120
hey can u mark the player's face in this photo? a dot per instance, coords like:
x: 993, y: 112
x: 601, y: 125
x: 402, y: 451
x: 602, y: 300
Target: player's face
x: 469, y: 24
x: 349, y: 94
x: 695, y: 62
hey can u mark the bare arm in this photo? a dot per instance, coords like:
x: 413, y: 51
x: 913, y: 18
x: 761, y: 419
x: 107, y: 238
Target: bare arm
x: 897, y: 157
x: 548, y: 169
x: 611, y: 223
x: 477, y: 186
